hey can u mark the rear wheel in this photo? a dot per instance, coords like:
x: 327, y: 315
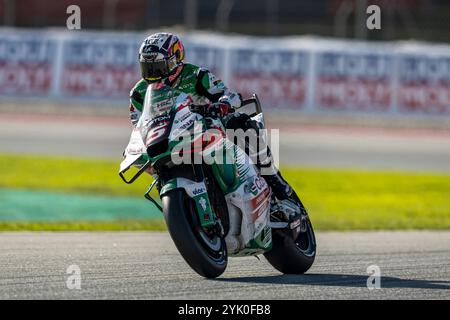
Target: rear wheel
x: 204, y: 251
x: 293, y: 256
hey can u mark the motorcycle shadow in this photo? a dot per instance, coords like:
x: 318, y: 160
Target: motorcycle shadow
x: 340, y: 280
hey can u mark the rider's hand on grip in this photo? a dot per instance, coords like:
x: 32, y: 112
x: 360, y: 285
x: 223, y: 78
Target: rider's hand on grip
x: 220, y: 109
x: 199, y: 108
x: 216, y: 110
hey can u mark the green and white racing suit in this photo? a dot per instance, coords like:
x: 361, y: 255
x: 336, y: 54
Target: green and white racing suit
x: 199, y: 83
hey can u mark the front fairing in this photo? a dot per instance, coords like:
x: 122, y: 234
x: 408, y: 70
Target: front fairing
x: 155, y: 117
x: 165, y: 119
x: 168, y: 128
x: 153, y: 127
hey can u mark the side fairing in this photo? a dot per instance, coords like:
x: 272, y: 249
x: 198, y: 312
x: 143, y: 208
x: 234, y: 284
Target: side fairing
x: 249, y: 207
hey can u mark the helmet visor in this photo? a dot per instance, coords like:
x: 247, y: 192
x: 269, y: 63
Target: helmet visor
x: 154, y: 70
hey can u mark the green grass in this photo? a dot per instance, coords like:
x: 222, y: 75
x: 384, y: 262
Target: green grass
x: 351, y: 200
x: 126, y: 225
x: 68, y: 175
x: 336, y: 199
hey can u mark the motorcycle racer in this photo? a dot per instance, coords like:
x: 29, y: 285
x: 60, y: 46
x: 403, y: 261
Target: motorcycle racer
x: 161, y: 59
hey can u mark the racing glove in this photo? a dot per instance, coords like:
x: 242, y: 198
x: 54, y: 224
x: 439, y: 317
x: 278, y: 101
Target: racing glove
x: 233, y: 99
x: 216, y: 110
x: 220, y: 109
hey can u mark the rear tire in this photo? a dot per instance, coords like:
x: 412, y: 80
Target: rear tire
x: 289, y: 256
x: 189, y: 237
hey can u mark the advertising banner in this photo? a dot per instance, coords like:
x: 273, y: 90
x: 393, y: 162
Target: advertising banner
x: 351, y: 81
x: 26, y: 64
x: 424, y: 84
x: 99, y: 67
x: 279, y: 77
x: 206, y: 55
x: 305, y: 74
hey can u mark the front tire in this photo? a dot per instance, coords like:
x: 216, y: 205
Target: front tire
x: 205, y: 253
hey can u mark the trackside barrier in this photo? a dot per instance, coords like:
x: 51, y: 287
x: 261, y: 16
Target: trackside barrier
x: 307, y: 74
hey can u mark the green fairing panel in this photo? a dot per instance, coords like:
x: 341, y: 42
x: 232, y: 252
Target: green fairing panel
x: 225, y: 175
x: 226, y: 172
x: 204, y: 210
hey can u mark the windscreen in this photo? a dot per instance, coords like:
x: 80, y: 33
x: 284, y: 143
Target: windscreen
x: 158, y: 101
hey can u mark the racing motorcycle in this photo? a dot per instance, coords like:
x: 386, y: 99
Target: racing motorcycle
x: 217, y: 208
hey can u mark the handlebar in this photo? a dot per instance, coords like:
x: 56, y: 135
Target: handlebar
x: 253, y: 99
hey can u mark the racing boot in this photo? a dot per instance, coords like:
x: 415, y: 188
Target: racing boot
x: 288, y: 206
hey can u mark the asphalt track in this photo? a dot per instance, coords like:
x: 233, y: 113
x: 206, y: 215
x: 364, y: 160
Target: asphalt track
x: 146, y: 265
x: 414, y: 265
x: 307, y: 145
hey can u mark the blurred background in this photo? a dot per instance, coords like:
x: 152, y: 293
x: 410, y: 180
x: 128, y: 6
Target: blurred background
x: 402, y: 19
x: 363, y: 114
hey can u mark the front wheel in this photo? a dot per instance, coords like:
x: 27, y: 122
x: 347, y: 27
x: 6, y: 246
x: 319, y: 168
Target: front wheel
x: 205, y: 252
x: 292, y: 256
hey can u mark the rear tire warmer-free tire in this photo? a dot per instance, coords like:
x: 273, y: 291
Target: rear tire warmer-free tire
x: 182, y: 229
x: 287, y: 257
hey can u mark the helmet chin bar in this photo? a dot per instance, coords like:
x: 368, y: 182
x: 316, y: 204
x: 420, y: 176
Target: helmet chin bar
x: 170, y: 79
x: 153, y: 80
x: 156, y: 71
